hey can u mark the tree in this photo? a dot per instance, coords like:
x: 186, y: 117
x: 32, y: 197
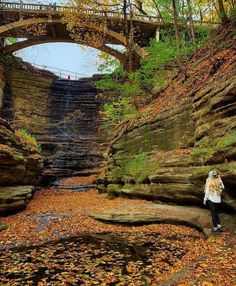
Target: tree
x: 222, y: 12
x: 191, y: 21
x: 84, y: 28
x: 175, y: 16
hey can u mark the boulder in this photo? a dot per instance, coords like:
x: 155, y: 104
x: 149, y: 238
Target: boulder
x: 14, y: 198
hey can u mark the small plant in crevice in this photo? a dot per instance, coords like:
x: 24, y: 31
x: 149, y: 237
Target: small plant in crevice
x: 28, y: 139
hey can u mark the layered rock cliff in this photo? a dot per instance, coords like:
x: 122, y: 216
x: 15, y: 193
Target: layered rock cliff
x: 166, y: 152
x: 20, y: 168
x: 26, y: 100
x: 72, y: 138
x: 63, y: 115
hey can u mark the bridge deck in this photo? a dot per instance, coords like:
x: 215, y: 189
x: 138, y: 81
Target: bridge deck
x: 59, y: 10
x: 12, y: 7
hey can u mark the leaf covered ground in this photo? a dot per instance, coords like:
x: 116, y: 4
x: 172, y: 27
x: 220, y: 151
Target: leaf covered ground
x: 55, y: 242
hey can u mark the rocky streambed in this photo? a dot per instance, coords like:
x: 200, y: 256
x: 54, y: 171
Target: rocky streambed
x: 55, y: 241
x: 102, y: 259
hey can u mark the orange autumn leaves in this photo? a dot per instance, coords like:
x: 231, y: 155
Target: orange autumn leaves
x: 167, y: 248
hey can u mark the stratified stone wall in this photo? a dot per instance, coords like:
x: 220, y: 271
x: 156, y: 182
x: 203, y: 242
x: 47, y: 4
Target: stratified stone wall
x: 20, y: 169
x: 73, y: 131
x: 166, y: 152
x: 62, y: 114
x: 27, y: 100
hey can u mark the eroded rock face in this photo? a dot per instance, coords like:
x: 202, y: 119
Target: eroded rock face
x: 63, y: 115
x: 14, y: 197
x: 20, y: 168
x: 167, y: 151
x: 27, y: 100
x: 72, y: 137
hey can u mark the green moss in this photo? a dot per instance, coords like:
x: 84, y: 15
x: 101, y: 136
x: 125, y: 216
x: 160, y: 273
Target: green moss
x: 226, y: 141
x: 228, y: 168
x: 205, y: 141
x: 202, y: 154
x: 112, y: 190
x: 115, y: 173
x: 137, y: 168
x: 3, y: 226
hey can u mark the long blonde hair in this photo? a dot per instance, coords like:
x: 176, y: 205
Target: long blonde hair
x: 214, y: 182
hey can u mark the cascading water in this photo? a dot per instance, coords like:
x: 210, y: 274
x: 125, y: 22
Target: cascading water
x: 73, y: 139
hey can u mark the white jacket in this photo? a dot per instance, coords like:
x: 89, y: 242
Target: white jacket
x: 214, y: 196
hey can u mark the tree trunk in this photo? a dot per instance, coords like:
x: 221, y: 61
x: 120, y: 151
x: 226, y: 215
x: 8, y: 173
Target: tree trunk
x: 176, y: 24
x: 191, y: 21
x: 158, y: 10
x: 128, y: 32
x: 178, y: 42
x: 223, y: 15
x: 201, y: 16
x: 131, y: 37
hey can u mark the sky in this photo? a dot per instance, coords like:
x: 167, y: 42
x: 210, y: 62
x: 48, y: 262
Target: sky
x: 72, y: 57
x: 79, y: 59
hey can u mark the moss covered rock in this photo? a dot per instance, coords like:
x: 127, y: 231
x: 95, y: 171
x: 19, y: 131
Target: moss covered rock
x: 3, y: 226
x: 166, y: 152
x: 20, y: 169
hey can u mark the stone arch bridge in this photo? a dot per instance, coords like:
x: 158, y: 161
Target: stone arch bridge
x: 20, y: 20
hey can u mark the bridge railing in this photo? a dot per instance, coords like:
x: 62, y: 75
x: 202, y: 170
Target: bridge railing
x: 59, y: 9
x: 61, y: 73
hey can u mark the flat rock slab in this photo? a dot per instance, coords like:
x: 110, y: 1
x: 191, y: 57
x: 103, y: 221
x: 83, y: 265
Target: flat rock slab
x: 159, y: 213
x: 14, y: 197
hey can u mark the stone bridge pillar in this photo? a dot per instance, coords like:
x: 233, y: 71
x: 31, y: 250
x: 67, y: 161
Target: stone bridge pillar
x: 158, y: 34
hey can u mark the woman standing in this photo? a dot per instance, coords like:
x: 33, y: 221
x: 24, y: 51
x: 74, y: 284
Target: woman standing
x: 213, y: 189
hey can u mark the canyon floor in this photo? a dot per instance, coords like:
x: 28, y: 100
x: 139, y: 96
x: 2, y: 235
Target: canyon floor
x: 54, y: 241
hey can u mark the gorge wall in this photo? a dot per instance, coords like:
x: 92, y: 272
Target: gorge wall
x: 163, y: 154
x: 20, y: 168
x: 166, y: 152
x: 63, y: 116
x: 72, y: 138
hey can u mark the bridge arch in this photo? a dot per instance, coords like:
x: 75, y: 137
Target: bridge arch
x: 117, y: 37
x: 44, y: 40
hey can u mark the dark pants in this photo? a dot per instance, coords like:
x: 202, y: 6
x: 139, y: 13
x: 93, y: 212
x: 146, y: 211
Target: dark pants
x: 214, y: 212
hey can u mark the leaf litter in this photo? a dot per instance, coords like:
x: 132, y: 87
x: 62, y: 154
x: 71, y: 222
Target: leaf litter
x: 55, y: 242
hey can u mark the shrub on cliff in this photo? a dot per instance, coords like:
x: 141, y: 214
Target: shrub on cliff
x: 132, y: 90
x: 28, y: 139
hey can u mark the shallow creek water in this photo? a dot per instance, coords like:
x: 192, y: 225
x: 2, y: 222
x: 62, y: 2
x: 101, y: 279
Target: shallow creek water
x: 98, y: 259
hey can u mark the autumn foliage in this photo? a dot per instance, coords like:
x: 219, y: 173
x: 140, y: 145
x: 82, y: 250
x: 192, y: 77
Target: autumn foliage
x: 55, y: 242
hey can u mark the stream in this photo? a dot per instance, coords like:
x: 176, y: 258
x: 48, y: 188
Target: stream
x: 97, y: 259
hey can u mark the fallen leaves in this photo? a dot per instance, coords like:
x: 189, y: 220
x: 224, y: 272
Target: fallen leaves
x: 92, y: 260
x: 83, y: 251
